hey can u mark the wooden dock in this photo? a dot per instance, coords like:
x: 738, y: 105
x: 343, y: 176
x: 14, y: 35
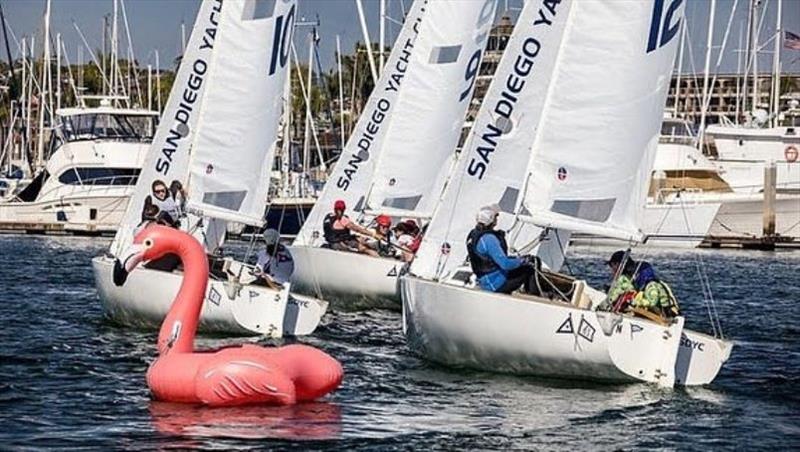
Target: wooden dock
x: 13, y: 227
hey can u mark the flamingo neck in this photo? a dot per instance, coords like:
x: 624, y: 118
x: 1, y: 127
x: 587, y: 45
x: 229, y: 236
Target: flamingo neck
x: 180, y: 326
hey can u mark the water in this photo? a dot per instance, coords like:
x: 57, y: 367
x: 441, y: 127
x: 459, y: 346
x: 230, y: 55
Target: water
x: 69, y: 378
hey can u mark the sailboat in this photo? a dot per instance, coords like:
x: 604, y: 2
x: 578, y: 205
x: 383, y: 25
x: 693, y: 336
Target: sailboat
x: 217, y: 138
x: 552, y: 172
x: 398, y: 157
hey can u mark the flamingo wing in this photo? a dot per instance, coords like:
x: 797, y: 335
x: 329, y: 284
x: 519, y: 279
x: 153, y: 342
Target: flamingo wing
x: 226, y: 382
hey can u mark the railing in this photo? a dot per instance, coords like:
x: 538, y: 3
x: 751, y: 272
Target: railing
x: 90, y: 187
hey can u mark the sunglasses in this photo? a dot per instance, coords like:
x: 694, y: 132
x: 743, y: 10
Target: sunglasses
x: 160, y: 190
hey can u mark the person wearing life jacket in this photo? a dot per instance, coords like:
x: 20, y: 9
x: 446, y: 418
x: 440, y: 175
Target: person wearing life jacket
x: 637, y: 285
x: 383, y: 242
x: 488, y: 256
x: 275, y: 264
x: 168, y: 209
x: 338, y: 231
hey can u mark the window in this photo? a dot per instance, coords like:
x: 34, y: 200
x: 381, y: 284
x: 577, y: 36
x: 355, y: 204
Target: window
x: 92, y: 126
x: 99, y: 176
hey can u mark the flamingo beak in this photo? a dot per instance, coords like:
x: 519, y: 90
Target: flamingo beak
x: 126, y: 262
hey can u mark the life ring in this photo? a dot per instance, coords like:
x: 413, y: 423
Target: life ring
x: 791, y: 153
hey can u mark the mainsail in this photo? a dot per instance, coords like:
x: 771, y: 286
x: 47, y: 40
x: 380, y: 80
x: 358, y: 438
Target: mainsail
x: 218, y: 130
x: 580, y: 88
x: 398, y: 156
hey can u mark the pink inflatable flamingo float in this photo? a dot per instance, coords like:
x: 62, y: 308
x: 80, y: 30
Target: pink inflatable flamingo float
x: 238, y: 375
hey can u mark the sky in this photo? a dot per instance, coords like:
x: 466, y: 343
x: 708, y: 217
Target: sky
x: 156, y: 24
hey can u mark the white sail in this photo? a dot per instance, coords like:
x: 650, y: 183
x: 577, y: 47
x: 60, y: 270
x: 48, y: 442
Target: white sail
x: 596, y: 141
x: 350, y: 178
x: 234, y: 146
x: 399, y: 155
x: 426, y: 123
x: 493, y: 163
x: 226, y: 40
x: 551, y: 121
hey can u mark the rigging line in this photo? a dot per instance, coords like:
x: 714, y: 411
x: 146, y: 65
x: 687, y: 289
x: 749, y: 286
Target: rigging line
x: 705, y: 284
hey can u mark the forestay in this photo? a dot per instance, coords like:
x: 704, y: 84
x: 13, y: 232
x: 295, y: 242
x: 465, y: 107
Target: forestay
x: 426, y: 123
x: 596, y: 141
x: 493, y: 163
x: 223, y: 110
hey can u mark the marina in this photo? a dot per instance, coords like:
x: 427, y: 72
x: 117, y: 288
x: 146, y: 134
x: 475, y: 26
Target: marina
x: 454, y: 236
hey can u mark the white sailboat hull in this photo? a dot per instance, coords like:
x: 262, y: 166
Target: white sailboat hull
x: 147, y: 296
x: 465, y: 327
x: 350, y: 280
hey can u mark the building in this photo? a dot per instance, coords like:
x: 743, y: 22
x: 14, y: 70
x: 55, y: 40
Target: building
x: 726, y: 97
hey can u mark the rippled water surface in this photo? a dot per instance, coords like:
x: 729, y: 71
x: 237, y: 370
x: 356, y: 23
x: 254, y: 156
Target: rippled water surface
x: 69, y: 378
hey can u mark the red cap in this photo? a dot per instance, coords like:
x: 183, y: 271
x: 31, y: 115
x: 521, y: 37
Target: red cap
x: 339, y: 205
x: 383, y: 220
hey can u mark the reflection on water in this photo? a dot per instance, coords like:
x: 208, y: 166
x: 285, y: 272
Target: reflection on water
x: 69, y: 379
x: 305, y: 421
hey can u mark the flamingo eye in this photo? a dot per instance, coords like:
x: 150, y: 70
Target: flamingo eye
x: 148, y: 243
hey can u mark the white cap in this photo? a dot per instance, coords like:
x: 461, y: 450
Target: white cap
x: 487, y: 214
x: 271, y: 236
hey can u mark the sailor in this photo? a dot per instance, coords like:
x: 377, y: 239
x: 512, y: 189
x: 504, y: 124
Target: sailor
x: 407, y: 237
x: 275, y: 264
x: 637, y: 285
x: 488, y: 256
x: 168, y: 210
x: 178, y: 194
x: 383, y: 243
x: 338, y: 230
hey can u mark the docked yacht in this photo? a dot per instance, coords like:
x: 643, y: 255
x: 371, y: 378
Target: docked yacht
x: 743, y: 151
x: 738, y: 185
x: 95, y: 155
x: 674, y: 215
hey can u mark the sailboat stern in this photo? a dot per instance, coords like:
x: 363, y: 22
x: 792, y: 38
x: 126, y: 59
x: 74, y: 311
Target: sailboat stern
x: 700, y: 358
x: 642, y: 349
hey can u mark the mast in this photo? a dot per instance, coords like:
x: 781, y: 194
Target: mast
x: 738, y: 72
x: 103, y: 56
x: 45, y: 86
x: 158, y: 83
x: 58, y: 71
x: 341, y: 90
x: 367, y: 42
x: 754, y: 51
x: 776, y: 67
x: 680, y: 70
x: 114, y: 52
x: 149, y: 86
x: 705, y: 98
x: 382, y: 35
x: 307, y: 134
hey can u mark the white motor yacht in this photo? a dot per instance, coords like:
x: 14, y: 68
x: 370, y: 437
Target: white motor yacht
x: 95, y: 155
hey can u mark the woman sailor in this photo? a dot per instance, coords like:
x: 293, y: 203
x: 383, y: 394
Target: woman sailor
x: 168, y: 208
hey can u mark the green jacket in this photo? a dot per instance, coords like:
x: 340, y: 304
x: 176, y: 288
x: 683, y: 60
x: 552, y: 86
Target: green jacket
x: 656, y: 296
x: 621, y: 285
x: 653, y: 296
